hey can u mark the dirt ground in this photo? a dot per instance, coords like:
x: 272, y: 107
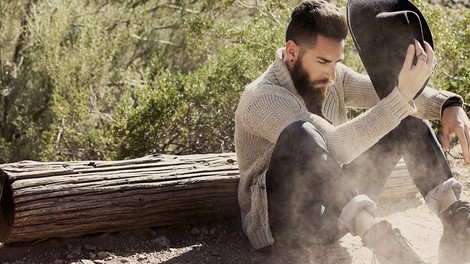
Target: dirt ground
x: 224, y: 242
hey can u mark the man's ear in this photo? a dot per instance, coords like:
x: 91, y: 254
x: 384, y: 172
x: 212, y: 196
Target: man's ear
x: 292, y: 51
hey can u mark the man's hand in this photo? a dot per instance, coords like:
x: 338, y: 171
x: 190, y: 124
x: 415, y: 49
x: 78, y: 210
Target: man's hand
x: 455, y: 120
x: 412, y: 77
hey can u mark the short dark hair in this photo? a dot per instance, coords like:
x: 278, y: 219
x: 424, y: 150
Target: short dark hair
x: 317, y: 17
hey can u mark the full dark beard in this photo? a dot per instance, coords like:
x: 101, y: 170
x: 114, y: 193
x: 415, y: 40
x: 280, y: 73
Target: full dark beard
x: 311, y: 92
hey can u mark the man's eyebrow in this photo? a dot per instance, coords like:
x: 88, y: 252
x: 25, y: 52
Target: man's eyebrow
x: 325, y: 60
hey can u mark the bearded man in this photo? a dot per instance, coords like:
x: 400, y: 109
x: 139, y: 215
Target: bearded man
x: 309, y: 175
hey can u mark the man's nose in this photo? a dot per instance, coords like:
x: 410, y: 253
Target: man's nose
x: 331, y: 74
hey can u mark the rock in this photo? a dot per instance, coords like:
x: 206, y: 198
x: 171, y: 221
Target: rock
x: 213, y: 230
x: 161, y: 241
x: 141, y: 257
x: 76, y: 250
x: 219, y: 225
x: 195, y: 231
x: 86, y: 261
x: 132, y: 239
x: 204, y: 230
x: 103, y: 254
x: 90, y: 247
x: 58, y: 261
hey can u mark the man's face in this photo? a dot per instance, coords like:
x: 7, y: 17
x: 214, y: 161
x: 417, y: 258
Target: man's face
x: 319, y: 62
x: 314, y: 71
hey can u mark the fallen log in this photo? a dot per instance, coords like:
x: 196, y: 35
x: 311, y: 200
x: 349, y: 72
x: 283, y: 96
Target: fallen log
x: 67, y: 199
x: 399, y: 184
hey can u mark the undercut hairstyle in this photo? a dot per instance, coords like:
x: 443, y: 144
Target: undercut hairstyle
x: 313, y: 18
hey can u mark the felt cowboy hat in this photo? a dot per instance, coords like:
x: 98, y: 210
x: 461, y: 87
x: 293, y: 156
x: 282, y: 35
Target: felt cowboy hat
x: 382, y: 31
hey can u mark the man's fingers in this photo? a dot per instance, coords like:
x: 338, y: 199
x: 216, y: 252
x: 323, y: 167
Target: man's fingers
x: 431, y: 60
x: 446, y: 141
x: 420, y: 51
x: 410, y: 53
x: 464, y: 141
x: 467, y: 136
x: 425, y: 59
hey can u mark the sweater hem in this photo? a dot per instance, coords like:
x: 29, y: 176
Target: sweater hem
x: 399, y: 105
x: 260, y: 239
x: 439, y: 99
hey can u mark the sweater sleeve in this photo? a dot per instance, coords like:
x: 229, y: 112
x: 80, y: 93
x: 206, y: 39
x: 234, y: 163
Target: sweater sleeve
x: 350, y: 139
x: 429, y: 103
x: 269, y: 113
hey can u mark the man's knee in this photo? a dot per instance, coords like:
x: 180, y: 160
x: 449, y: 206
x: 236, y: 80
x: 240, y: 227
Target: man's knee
x: 301, y: 134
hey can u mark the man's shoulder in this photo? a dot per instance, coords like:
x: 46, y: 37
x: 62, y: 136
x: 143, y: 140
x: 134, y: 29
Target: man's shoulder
x: 265, y: 95
x: 263, y: 88
x: 266, y: 88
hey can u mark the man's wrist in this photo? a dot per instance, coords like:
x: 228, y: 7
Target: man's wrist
x: 452, y: 101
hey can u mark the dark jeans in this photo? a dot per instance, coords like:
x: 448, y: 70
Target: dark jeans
x: 307, y: 188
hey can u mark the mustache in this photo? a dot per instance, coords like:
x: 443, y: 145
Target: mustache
x: 322, y: 81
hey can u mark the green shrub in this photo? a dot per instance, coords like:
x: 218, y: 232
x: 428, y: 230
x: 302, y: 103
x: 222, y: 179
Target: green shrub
x: 200, y: 115
x: 193, y: 112
x: 119, y: 79
x: 65, y: 65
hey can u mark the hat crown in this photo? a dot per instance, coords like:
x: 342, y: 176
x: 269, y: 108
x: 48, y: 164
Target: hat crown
x: 382, y: 31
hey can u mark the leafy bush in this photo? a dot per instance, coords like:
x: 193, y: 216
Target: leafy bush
x: 65, y: 64
x: 118, y: 79
x: 193, y: 112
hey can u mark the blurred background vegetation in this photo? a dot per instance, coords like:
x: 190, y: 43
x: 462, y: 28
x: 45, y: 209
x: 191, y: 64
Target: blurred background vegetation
x: 116, y: 79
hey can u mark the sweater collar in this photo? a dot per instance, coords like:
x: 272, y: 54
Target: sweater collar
x: 282, y: 73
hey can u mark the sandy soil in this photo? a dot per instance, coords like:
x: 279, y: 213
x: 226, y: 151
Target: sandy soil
x: 224, y: 242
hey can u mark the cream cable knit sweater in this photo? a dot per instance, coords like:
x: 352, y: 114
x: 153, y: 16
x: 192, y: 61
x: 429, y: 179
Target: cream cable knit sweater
x: 271, y: 103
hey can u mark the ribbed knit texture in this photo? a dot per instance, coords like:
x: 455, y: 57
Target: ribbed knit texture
x: 271, y: 103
